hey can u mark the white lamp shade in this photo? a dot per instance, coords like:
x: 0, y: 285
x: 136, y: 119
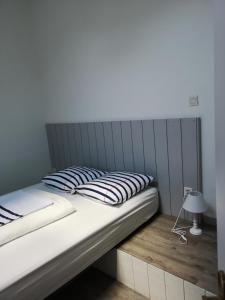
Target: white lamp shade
x: 195, y: 203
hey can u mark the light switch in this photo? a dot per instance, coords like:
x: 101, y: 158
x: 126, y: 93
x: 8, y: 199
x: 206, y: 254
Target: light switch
x: 193, y: 101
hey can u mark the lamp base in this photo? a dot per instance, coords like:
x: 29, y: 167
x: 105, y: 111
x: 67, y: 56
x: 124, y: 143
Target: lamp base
x: 195, y: 231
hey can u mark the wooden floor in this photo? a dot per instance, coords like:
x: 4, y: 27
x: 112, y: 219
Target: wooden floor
x: 195, y: 262
x: 94, y: 285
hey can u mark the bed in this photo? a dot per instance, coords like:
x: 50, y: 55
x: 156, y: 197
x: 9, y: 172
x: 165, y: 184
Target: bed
x: 36, y: 264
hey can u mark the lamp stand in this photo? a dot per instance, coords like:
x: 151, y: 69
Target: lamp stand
x: 195, y: 230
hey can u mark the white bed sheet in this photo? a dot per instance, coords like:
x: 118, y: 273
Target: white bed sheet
x: 38, y: 263
x: 59, y: 208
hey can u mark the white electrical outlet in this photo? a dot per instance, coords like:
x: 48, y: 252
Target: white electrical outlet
x: 187, y: 190
x: 193, y: 101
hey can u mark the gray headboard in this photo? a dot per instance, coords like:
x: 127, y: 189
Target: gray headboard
x: 168, y: 149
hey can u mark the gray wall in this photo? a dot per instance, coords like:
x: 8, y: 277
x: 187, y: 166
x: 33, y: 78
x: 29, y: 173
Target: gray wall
x: 23, y: 147
x: 127, y: 59
x: 220, y: 125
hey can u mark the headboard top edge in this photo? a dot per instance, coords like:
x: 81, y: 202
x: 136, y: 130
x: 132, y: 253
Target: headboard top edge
x: 124, y: 120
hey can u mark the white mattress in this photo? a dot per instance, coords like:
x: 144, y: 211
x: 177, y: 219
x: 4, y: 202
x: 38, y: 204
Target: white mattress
x: 36, y: 264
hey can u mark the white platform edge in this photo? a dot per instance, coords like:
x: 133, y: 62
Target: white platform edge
x: 155, y: 283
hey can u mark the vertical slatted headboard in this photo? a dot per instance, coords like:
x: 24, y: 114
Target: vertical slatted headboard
x: 169, y: 149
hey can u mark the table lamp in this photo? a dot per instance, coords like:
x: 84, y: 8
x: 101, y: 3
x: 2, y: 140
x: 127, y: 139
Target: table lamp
x: 195, y: 204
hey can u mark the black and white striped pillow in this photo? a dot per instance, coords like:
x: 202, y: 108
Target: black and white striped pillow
x: 115, y: 187
x: 67, y: 180
x: 7, y: 215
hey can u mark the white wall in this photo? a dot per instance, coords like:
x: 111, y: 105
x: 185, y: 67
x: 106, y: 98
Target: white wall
x: 129, y: 59
x: 220, y: 125
x: 23, y: 147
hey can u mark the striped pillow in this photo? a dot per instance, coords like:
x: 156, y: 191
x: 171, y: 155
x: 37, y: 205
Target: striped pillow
x: 115, y: 187
x: 67, y: 180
